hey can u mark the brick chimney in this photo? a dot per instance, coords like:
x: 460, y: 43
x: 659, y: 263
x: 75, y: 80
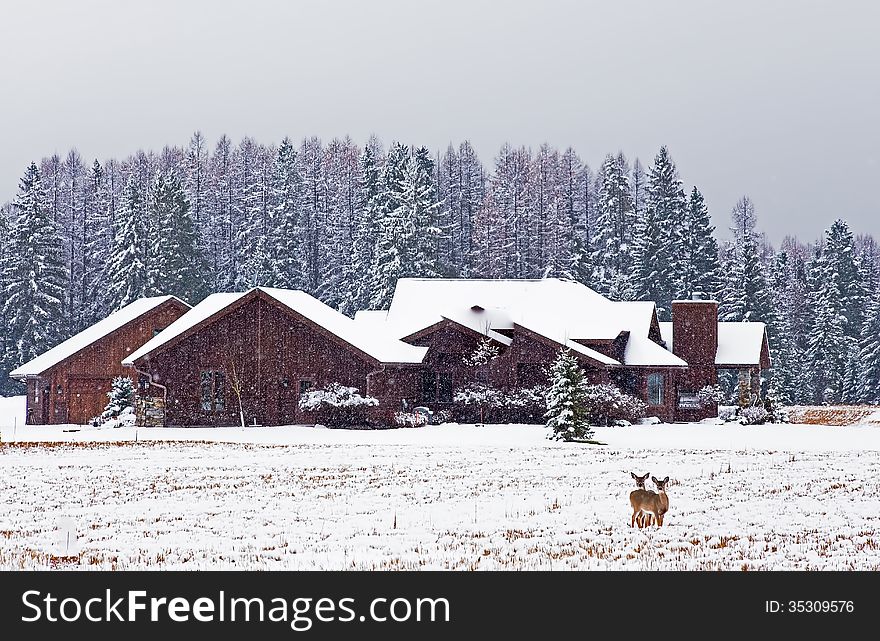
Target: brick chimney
x: 695, y: 330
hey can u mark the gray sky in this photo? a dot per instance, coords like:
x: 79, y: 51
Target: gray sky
x: 775, y: 99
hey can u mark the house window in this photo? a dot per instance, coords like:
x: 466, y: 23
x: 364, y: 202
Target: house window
x: 304, y: 386
x: 219, y: 391
x: 212, y: 391
x: 429, y: 387
x: 444, y: 387
x: 655, y: 389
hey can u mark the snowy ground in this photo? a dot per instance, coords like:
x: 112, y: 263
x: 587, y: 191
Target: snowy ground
x: 457, y: 497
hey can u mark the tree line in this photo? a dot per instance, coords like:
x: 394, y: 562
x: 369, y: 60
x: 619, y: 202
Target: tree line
x: 344, y: 222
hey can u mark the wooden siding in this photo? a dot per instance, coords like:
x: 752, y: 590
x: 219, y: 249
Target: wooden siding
x: 271, y: 350
x: 75, y: 390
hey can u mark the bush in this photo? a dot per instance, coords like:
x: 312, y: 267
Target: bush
x: 711, y: 394
x: 525, y: 405
x: 410, y: 419
x: 607, y: 404
x: 337, y: 405
x: 755, y: 415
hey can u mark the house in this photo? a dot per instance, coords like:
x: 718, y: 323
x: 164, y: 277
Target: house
x: 251, y: 355
x: 664, y: 364
x: 69, y: 383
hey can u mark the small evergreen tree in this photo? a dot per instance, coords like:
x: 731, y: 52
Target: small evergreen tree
x: 121, y: 396
x: 566, y: 412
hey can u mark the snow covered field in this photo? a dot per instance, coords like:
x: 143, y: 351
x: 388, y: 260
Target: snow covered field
x: 457, y: 497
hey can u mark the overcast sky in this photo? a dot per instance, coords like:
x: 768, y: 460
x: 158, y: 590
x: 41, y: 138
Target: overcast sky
x: 778, y: 100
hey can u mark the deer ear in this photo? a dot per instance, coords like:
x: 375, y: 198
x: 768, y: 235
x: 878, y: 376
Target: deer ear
x: 654, y: 478
x: 666, y: 480
x: 633, y: 474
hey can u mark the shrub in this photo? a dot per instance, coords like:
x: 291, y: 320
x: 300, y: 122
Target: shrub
x: 711, y: 394
x: 755, y: 415
x: 607, y: 403
x: 337, y: 405
x: 410, y: 419
x: 525, y: 405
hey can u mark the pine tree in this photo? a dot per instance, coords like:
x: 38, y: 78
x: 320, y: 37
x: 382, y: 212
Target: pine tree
x: 869, y: 355
x: 827, y: 350
x: 702, y: 271
x: 566, y: 407
x: 613, y: 244
x: 660, y: 237
x: 840, y: 258
x: 747, y: 296
x: 127, y: 275
x: 120, y: 397
x: 287, y: 234
x: 175, y: 251
x: 364, y: 244
x: 35, y: 276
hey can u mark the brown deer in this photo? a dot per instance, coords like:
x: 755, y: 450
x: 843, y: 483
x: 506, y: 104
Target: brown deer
x: 637, y: 496
x: 651, y: 504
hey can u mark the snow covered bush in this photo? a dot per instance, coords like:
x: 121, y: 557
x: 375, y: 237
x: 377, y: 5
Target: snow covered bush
x: 607, y: 404
x: 482, y: 403
x: 121, y: 397
x: 566, y: 413
x: 476, y: 402
x: 410, y: 419
x: 755, y: 415
x: 710, y: 394
x: 337, y: 405
x: 526, y: 405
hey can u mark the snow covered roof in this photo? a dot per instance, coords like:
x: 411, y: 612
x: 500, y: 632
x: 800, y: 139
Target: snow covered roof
x: 562, y: 310
x: 378, y: 345
x: 738, y: 343
x: 90, y: 335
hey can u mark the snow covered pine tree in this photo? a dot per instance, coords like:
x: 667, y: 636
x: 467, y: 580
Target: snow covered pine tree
x: 566, y: 408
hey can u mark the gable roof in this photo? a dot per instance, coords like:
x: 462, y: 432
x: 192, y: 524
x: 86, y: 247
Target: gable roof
x: 379, y: 346
x: 91, y: 335
x: 563, y: 311
x: 739, y: 344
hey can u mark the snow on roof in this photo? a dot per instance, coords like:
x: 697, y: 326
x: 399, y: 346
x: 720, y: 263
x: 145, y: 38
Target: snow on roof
x: 378, y: 345
x: 738, y: 343
x: 478, y: 321
x: 90, y: 335
x: 562, y: 310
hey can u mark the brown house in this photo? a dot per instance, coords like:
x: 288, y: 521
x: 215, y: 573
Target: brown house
x: 530, y: 320
x: 254, y: 353
x: 69, y: 383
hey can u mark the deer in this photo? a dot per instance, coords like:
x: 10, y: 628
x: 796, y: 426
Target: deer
x: 651, y: 504
x: 636, y: 496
